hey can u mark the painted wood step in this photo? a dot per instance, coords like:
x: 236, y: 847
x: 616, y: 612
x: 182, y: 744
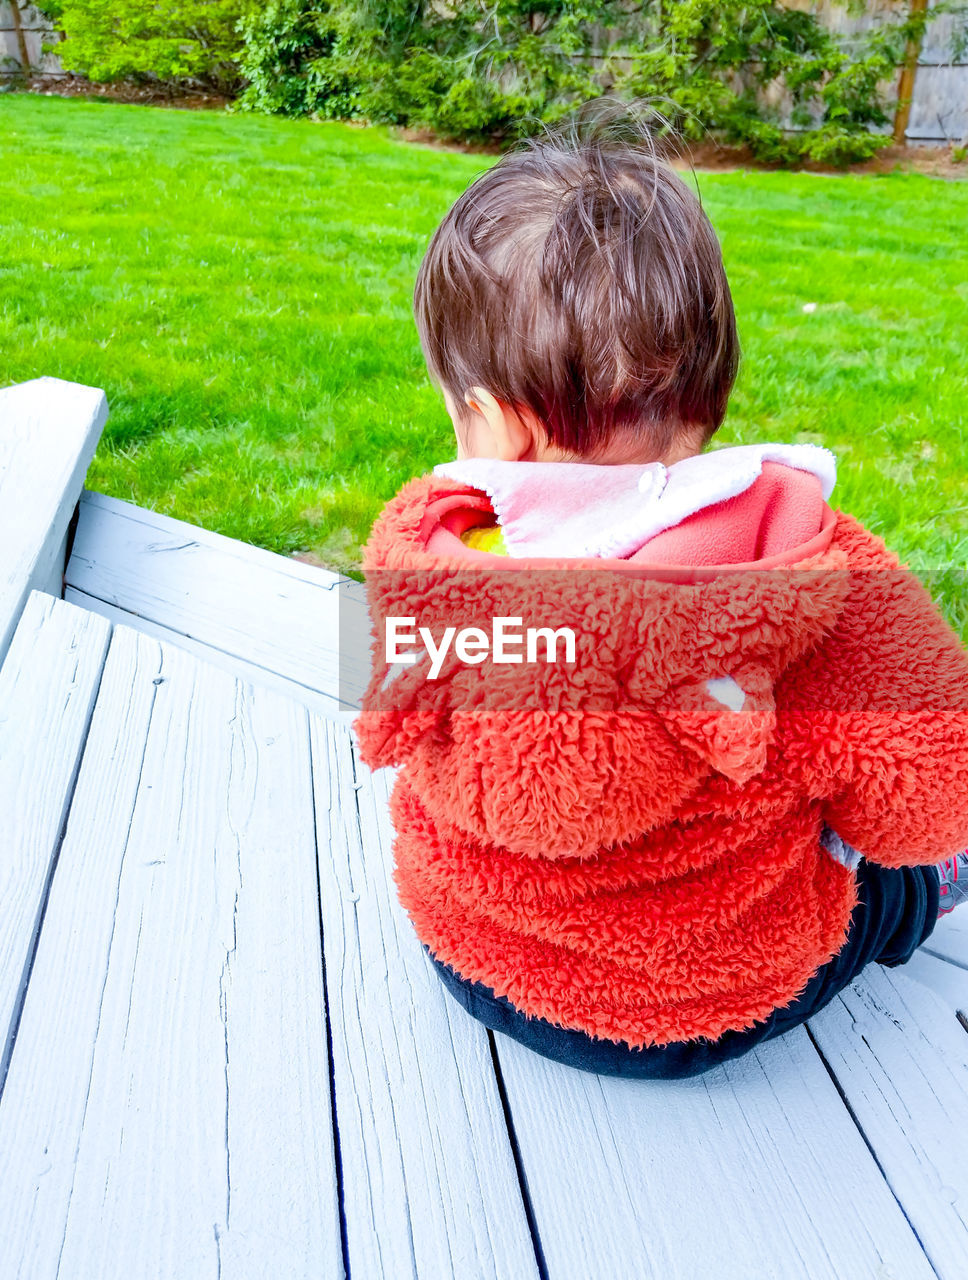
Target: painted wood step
x: 49, y: 430
x: 167, y: 1106
x: 268, y: 618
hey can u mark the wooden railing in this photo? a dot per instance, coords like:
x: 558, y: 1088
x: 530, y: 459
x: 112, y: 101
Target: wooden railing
x: 48, y: 433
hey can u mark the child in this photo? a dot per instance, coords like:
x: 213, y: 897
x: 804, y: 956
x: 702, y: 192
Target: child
x: 692, y: 836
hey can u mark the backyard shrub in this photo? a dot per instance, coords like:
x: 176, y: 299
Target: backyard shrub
x: 744, y: 70
x: 172, y: 41
x: 762, y: 73
x: 289, y: 61
x: 462, y: 70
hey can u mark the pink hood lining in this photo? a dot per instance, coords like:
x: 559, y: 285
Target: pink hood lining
x: 779, y: 521
x: 580, y: 509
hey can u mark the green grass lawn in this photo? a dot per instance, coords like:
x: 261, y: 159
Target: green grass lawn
x: 241, y: 289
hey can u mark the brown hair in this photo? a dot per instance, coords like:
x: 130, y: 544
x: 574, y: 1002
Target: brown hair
x: 579, y: 279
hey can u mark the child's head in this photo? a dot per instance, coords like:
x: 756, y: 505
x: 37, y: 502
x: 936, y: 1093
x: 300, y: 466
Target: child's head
x: 573, y: 304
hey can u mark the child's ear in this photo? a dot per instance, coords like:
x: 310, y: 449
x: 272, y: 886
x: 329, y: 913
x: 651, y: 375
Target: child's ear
x: 507, y: 435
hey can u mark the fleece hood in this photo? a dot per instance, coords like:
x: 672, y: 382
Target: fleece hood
x: 680, y: 643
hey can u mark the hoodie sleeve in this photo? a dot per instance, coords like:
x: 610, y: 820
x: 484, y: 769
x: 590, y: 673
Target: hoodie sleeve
x: 882, y: 717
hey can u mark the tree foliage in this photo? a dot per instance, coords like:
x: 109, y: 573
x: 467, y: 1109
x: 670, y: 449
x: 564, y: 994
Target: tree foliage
x: 469, y: 70
x: 173, y: 41
x: 748, y: 71
x: 744, y: 70
x: 758, y: 72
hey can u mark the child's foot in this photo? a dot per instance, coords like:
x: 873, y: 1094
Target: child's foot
x: 954, y: 882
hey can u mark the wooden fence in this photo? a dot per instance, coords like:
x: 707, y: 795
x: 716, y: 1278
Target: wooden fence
x: 24, y: 31
x: 939, y: 102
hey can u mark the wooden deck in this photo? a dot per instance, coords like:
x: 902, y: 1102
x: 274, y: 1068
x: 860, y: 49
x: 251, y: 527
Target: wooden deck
x: 223, y: 1052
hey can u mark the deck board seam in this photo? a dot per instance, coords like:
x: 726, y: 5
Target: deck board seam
x: 11, y: 1038
x: 529, y: 1213
x: 340, y: 705
x: 357, y: 787
x: 868, y: 1144
x: 334, y: 1119
x: 938, y: 955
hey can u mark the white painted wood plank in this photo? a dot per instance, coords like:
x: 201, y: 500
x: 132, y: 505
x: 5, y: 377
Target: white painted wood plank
x: 166, y: 1112
x: 273, y: 612
x: 949, y: 981
x: 53, y: 583
x: 949, y: 940
x: 49, y: 430
x: 170, y: 531
x: 755, y: 1169
x: 429, y: 1184
x: 47, y: 688
x: 901, y: 1058
x: 238, y: 667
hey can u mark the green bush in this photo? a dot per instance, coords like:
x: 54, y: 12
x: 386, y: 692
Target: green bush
x: 408, y: 63
x: 172, y: 41
x: 289, y: 61
x: 740, y: 69
x: 736, y: 69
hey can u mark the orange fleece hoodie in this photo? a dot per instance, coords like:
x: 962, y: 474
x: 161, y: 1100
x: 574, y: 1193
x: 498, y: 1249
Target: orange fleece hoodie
x: 631, y: 846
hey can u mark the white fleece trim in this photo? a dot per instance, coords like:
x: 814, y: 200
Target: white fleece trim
x: 572, y: 509
x: 726, y: 691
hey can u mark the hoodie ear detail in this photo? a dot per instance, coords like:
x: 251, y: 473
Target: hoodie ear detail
x: 729, y: 721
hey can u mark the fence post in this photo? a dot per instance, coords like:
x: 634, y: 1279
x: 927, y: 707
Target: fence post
x: 21, y: 38
x: 909, y: 71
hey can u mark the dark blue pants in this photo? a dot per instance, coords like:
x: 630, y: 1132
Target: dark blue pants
x: 896, y: 911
